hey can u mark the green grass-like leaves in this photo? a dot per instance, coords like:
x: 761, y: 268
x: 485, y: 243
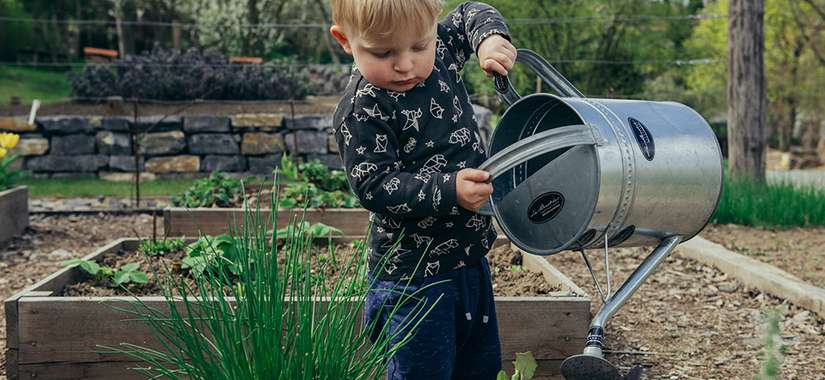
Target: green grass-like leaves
x: 747, y: 202
x: 269, y: 317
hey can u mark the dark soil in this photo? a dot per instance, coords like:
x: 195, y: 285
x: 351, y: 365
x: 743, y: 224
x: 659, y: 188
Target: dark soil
x: 509, y: 277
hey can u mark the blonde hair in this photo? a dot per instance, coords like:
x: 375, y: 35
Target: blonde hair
x: 381, y: 18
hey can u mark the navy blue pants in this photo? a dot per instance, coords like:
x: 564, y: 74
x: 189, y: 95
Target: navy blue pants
x: 458, y: 339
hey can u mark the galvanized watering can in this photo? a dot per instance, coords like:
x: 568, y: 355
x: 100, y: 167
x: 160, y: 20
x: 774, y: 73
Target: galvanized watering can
x: 571, y: 173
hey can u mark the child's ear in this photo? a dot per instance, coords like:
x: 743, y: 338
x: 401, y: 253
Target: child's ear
x: 339, y: 35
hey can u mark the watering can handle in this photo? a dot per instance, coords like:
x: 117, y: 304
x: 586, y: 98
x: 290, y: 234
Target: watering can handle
x: 544, y: 70
x: 534, y: 146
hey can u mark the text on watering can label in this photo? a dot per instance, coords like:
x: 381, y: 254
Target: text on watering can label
x: 643, y: 137
x: 545, y: 207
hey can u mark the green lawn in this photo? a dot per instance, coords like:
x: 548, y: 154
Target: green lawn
x: 29, y: 84
x: 95, y: 187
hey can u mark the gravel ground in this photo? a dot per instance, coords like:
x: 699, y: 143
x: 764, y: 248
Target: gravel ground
x: 690, y: 321
x: 49, y: 241
x: 798, y: 251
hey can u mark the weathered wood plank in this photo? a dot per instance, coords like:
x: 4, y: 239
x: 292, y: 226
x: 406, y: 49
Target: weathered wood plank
x: 65, y: 332
x: 193, y: 222
x: 14, y: 212
x: 756, y: 274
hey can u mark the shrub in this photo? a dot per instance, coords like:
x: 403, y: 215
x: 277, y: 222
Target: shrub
x: 169, y: 74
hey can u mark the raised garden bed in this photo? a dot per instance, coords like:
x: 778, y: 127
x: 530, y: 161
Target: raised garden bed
x: 14, y: 212
x: 55, y: 337
x: 797, y: 251
x: 179, y: 221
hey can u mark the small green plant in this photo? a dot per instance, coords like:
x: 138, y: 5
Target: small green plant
x: 288, y: 169
x: 215, y: 252
x: 306, y: 194
x: 7, y: 176
x: 126, y: 274
x: 773, y: 350
x: 525, y: 367
x: 161, y: 247
x: 217, y: 190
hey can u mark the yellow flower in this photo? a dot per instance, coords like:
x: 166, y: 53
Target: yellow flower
x: 8, y: 140
x: 2, y: 152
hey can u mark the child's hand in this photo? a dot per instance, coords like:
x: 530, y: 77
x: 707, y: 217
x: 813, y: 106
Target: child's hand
x: 472, y: 189
x: 496, y: 54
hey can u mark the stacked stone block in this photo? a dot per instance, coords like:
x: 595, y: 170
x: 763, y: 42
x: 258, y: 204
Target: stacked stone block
x: 173, y: 146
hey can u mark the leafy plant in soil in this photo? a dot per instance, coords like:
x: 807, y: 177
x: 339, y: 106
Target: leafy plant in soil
x: 127, y: 273
x: 274, y: 324
x: 217, y: 190
x: 524, y: 365
x: 215, y: 253
x: 161, y: 247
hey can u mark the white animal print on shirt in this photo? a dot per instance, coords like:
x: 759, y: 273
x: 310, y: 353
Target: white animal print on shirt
x: 345, y: 132
x: 477, y: 222
x: 410, y: 145
x: 461, y: 136
x: 399, y: 209
x: 432, y: 268
x: 412, y: 118
x: 426, y: 222
x: 369, y: 89
x: 392, y: 185
x: 436, y: 109
x: 363, y: 169
x: 457, y: 111
x: 444, y: 248
x: 380, y: 144
x: 376, y: 113
x: 444, y: 86
x: 421, y: 240
x: 433, y: 165
x: 396, y: 95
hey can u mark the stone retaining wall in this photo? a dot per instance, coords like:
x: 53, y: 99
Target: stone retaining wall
x: 174, y: 146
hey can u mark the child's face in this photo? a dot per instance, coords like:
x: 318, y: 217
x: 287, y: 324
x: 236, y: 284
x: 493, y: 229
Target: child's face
x: 397, y: 63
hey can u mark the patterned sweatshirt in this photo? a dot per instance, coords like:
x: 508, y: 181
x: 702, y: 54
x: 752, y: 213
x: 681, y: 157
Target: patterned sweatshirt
x: 402, y: 151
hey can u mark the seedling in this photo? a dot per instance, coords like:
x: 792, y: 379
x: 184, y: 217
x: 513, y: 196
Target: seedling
x: 525, y: 367
x: 104, y: 274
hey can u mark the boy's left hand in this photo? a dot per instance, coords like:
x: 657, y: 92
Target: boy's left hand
x: 497, y: 54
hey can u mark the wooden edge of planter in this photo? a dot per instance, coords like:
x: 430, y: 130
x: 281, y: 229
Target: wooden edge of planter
x: 551, y: 274
x: 42, y: 312
x: 754, y: 273
x: 179, y: 221
x: 41, y: 288
x: 16, y: 202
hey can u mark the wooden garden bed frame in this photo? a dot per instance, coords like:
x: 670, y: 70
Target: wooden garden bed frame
x: 179, y: 221
x: 14, y: 212
x: 52, y: 337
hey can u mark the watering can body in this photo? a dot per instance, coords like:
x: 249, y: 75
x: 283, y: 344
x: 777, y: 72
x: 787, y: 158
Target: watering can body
x: 638, y: 172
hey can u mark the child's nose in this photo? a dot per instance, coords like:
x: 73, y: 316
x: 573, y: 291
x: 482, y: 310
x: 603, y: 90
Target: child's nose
x: 404, y: 63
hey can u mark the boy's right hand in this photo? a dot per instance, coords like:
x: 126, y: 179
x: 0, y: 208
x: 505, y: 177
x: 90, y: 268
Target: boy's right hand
x: 472, y: 188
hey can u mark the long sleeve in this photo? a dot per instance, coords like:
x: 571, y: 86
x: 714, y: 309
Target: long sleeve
x: 369, y: 146
x: 466, y: 27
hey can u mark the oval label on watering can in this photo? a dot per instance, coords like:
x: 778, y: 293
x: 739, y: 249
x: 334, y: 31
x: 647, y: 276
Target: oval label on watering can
x: 545, y: 207
x: 643, y: 137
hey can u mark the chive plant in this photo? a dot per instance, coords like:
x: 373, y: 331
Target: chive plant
x: 747, y: 202
x: 269, y: 319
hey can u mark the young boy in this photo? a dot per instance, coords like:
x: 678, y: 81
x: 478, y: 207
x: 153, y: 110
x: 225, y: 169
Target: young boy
x: 409, y: 141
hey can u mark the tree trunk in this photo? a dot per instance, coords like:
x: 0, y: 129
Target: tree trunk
x: 746, y: 89
x: 121, y: 46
